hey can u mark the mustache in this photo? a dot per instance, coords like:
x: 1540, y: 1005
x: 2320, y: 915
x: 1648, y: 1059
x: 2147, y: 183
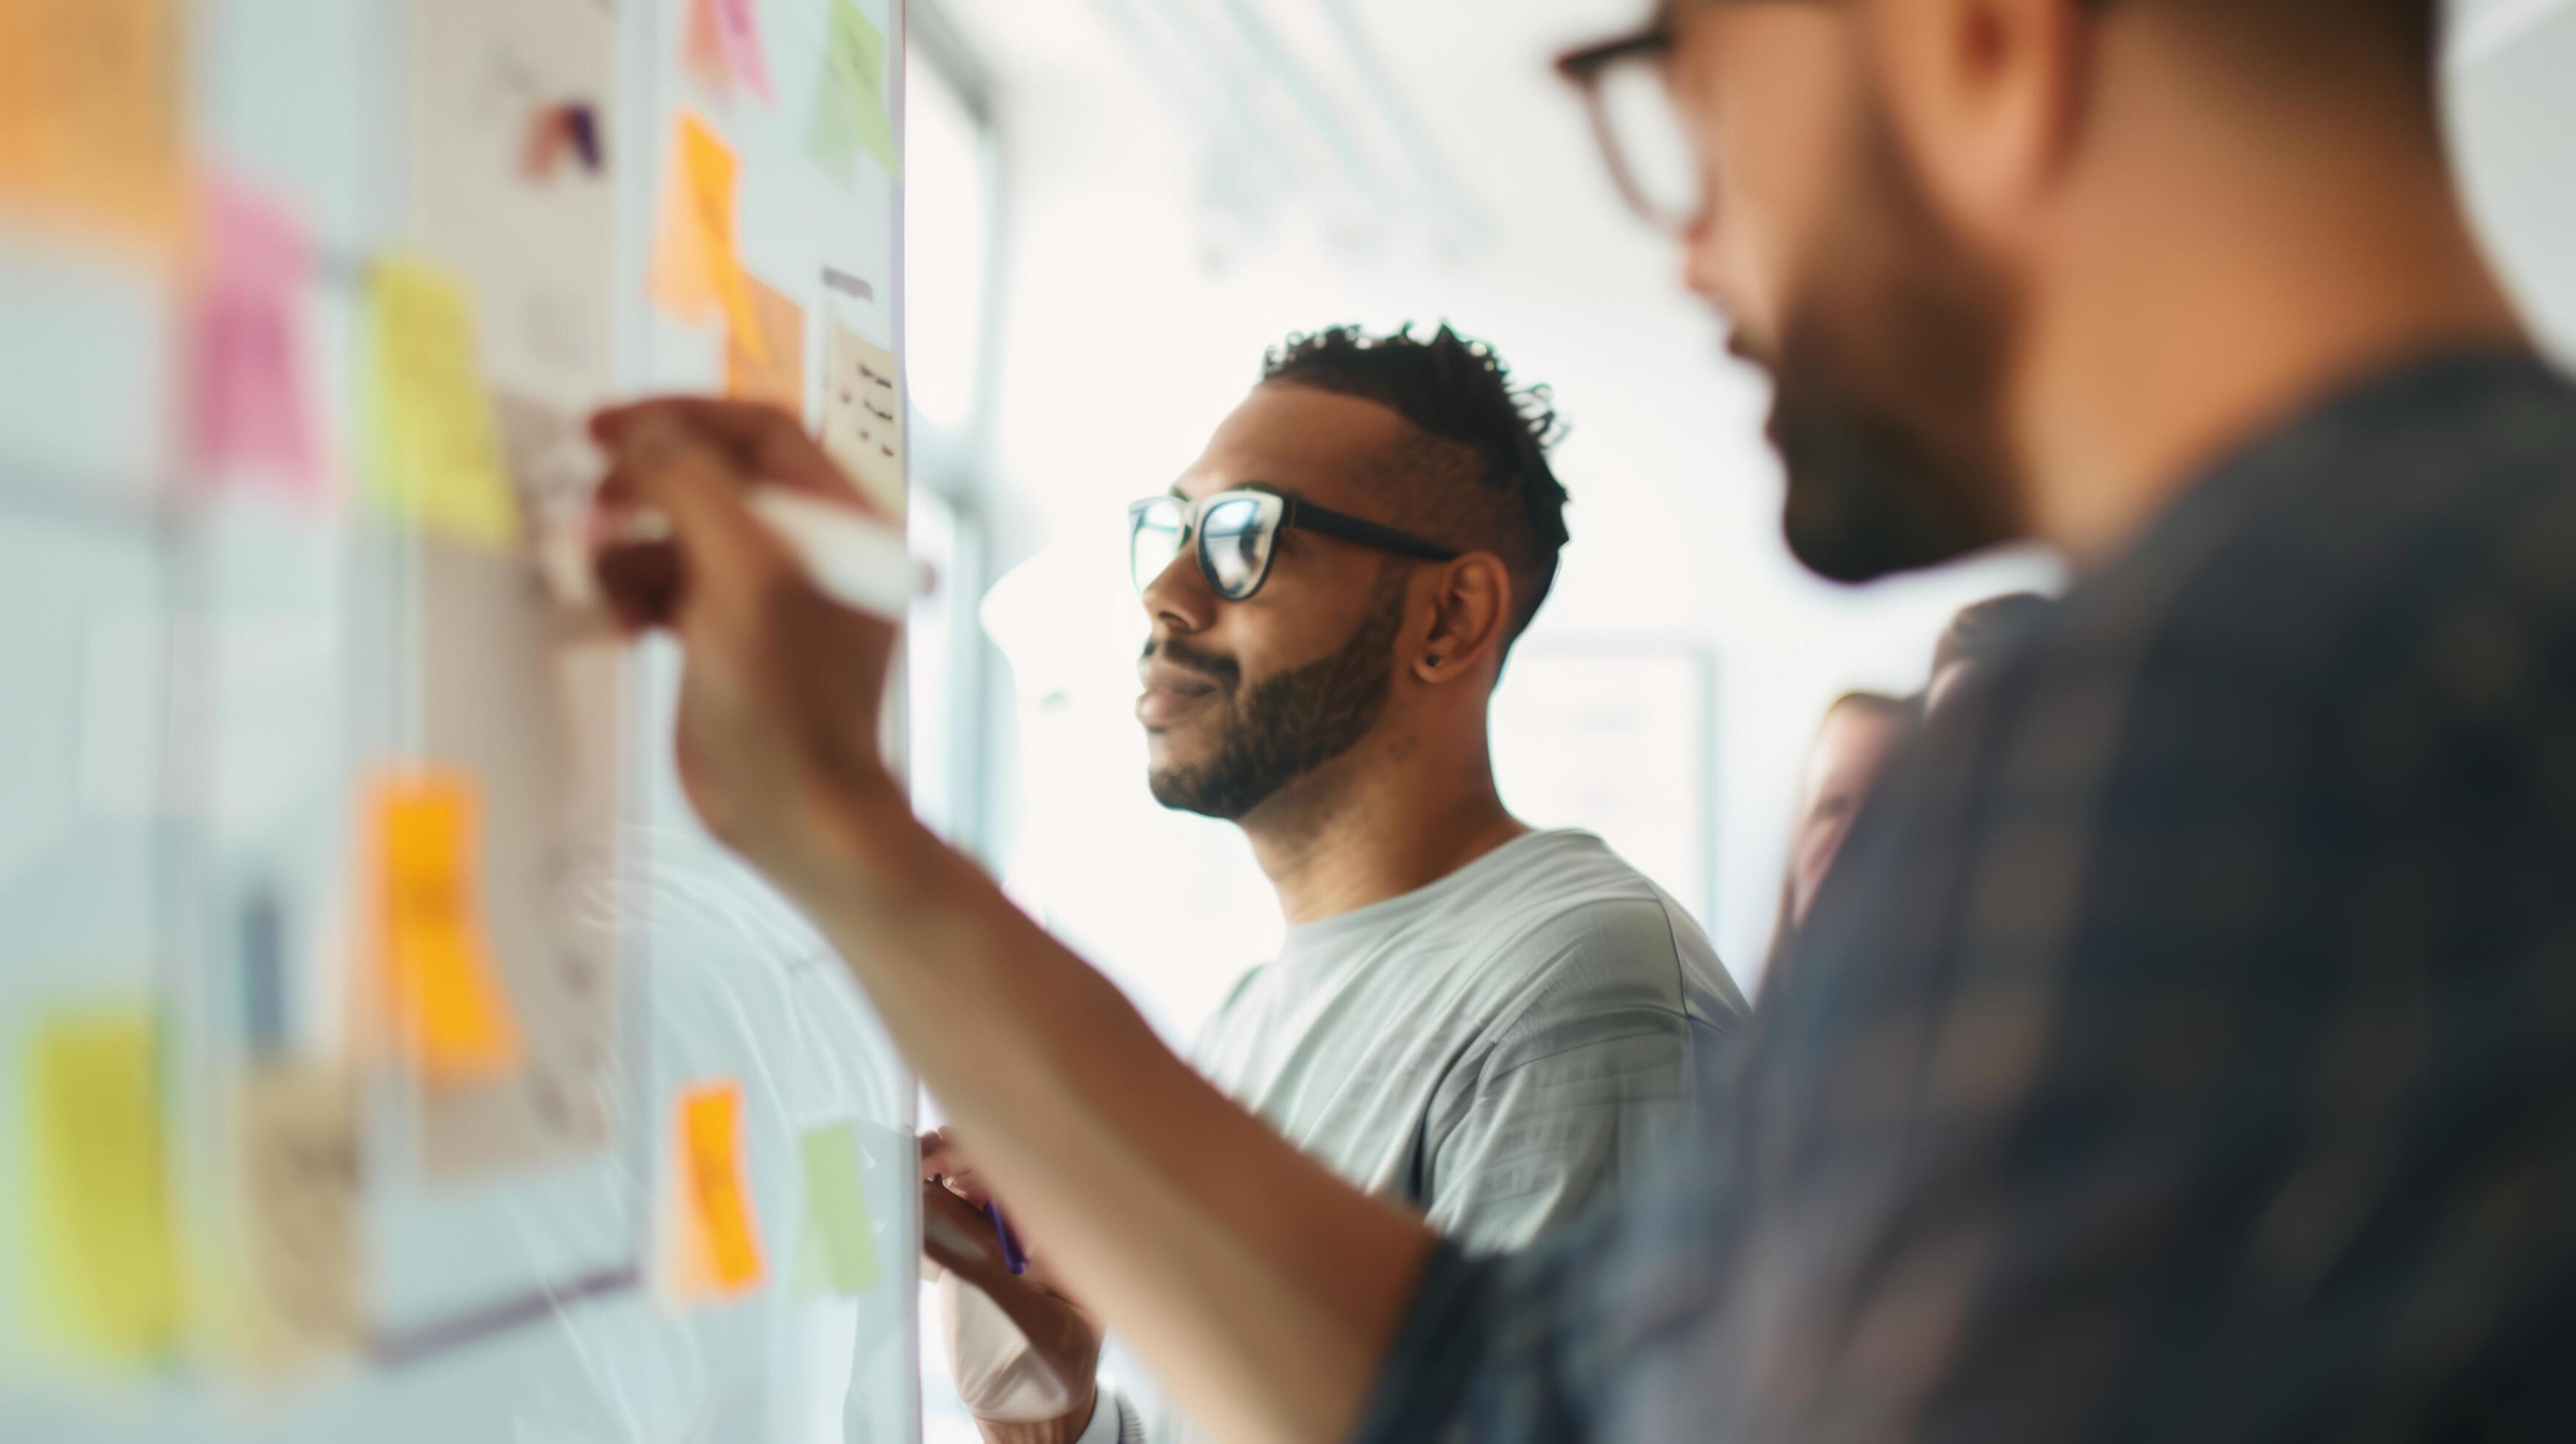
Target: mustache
x: 1224, y: 671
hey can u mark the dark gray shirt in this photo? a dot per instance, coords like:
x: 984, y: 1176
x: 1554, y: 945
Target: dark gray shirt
x: 2184, y: 1047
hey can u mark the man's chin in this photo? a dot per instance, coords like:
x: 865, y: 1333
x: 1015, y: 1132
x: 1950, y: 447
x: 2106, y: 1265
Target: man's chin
x: 1863, y: 505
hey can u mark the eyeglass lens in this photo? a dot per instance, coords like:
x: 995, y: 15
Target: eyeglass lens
x: 1234, y: 541
x: 1649, y: 140
x: 1154, y: 539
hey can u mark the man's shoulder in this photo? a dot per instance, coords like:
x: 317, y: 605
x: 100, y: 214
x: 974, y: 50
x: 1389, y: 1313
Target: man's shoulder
x: 2403, y: 560
x: 1582, y: 928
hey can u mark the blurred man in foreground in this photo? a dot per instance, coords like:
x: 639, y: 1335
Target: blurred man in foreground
x: 2195, y: 1057
x: 1493, y: 1025
x: 1980, y: 638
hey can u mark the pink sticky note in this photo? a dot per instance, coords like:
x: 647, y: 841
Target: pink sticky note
x: 249, y: 411
x: 738, y: 26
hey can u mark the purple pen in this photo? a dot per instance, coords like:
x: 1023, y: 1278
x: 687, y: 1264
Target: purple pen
x: 1011, y: 1254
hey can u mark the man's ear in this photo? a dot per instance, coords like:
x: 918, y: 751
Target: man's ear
x: 1471, y: 610
x: 1987, y: 99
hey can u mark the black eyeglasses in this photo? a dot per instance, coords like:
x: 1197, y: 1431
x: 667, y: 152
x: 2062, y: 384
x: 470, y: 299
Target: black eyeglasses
x: 1643, y: 137
x: 1238, y: 537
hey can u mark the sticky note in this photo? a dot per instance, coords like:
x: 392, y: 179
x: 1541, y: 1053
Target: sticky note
x: 437, y: 459
x: 297, y: 1161
x: 702, y: 50
x: 863, y: 416
x: 697, y: 270
x: 449, y: 1007
x: 719, y: 1233
x: 104, y: 1260
x: 852, y: 113
x: 779, y: 379
x: 250, y: 409
x: 90, y: 113
x: 737, y: 24
x: 837, y: 1251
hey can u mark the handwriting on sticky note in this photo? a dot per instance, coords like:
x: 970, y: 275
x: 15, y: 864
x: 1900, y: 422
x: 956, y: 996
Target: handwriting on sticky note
x: 298, y: 1164
x: 697, y: 269
x: 720, y: 1221
x: 90, y: 112
x: 837, y: 1234
x: 779, y: 377
x: 449, y: 1006
x: 106, y: 1270
x: 863, y: 416
x: 250, y: 410
x: 437, y: 460
x: 851, y: 111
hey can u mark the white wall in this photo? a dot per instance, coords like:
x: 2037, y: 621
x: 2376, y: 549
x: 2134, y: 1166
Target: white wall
x: 1135, y: 322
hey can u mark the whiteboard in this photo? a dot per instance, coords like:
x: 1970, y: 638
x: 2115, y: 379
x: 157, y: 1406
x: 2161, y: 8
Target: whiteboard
x: 384, y: 1051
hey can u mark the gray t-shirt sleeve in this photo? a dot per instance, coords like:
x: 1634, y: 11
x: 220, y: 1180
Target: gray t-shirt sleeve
x: 1575, y: 1094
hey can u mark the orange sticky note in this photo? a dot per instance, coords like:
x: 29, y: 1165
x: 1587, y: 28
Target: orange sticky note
x: 779, y: 380
x: 697, y: 270
x: 448, y: 1003
x: 720, y: 1235
x: 90, y: 112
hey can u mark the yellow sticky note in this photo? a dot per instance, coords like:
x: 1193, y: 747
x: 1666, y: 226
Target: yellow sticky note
x: 719, y: 1232
x: 697, y: 265
x: 437, y: 454
x: 104, y: 1260
x: 779, y: 380
x: 851, y: 113
x: 448, y: 1003
x: 90, y: 113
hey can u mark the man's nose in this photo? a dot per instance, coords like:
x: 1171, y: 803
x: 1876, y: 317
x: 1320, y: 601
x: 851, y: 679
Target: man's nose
x: 1179, y: 600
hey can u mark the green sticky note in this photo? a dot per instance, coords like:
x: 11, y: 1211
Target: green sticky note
x: 840, y: 1252
x: 106, y: 1275
x: 851, y: 112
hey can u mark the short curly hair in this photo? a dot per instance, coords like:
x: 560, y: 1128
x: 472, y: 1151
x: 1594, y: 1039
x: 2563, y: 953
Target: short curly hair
x: 1476, y: 473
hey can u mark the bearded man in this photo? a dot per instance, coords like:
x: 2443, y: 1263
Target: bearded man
x: 2181, y: 1047
x: 1492, y: 1024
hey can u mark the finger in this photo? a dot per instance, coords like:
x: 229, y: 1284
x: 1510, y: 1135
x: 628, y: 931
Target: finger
x: 697, y: 489
x: 772, y: 444
x: 956, y: 1236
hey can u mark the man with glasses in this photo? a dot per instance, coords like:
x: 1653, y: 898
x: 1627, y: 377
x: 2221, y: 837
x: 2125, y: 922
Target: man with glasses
x: 1494, y: 1025
x: 2184, y: 1047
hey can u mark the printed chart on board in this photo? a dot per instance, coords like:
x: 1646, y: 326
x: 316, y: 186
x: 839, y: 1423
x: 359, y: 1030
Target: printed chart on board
x: 384, y: 1050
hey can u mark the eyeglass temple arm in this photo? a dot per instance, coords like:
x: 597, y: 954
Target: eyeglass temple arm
x: 1365, y: 533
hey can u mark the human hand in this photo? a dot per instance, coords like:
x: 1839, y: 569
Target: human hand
x: 782, y: 689
x: 1024, y: 1355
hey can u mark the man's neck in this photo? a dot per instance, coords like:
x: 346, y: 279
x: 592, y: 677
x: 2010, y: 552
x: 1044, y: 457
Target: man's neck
x: 1359, y: 834
x: 2214, y: 294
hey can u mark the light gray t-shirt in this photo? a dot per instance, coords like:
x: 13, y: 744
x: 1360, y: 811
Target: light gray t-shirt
x: 1498, y: 1048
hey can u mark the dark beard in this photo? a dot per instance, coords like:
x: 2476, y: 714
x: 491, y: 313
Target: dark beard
x: 1285, y: 726
x: 1866, y: 498
x: 1888, y: 388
